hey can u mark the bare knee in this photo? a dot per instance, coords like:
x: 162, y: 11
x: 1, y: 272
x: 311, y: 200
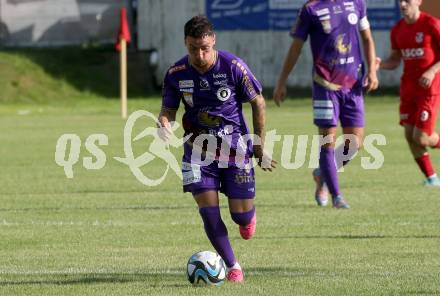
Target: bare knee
x: 358, y: 142
x: 328, y: 135
x: 422, y: 140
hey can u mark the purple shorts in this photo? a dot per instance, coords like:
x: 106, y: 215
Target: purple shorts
x: 234, y: 182
x: 345, y: 105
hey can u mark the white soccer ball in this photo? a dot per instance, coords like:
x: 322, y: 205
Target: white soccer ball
x: 206, y: 267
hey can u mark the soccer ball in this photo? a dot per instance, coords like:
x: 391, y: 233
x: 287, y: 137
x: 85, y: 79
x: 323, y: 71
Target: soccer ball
x: 206, y: 267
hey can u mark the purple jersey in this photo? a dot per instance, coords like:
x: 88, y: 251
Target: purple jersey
x: 212, y: 100
x: 333, y: 28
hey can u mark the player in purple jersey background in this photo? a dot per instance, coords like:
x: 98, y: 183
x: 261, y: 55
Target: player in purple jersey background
x: 338, y: 81
x: 212, y: 86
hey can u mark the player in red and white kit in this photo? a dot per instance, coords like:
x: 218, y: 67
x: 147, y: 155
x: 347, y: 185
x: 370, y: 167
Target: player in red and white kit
x: 415, y: 39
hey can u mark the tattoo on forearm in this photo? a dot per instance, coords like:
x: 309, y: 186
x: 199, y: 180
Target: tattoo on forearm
x: 259, y: 118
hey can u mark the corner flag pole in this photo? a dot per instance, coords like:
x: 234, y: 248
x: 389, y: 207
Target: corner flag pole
x: 121, y: 45
x: 123, y: 77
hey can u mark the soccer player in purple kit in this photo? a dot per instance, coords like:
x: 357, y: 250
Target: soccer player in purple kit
x: 212, y: 86
x: 338, y: 81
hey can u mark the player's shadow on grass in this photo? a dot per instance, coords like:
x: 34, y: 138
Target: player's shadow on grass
x: 153, y: 280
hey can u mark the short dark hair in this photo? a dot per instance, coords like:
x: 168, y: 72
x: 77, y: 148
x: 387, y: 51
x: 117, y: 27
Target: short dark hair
x: 199, y: 27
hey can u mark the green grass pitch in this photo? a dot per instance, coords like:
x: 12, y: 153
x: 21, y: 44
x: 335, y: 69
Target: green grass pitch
x: 104, y: 233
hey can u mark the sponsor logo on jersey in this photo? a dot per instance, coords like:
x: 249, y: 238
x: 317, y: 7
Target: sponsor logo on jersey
x: 204, y: 84
x: 419, y: 37
x: 413, y: 53
x: 219, y: 75
x: 322, y: 11
x: 349, y: 6
x: 186, y: 83
x: 326, y: 26
x: 353, y: 18
x: 177, y: 68
x: 246, y: 81
x: 424, y: 116
x: 337, y: 9
x: 191, y: 173
x: 249, y: 87
x: 221, y: 82
x: 222, y: 132
x: 244, y: 177
x: 344, y: 61
x: 188, y: 90
x: 223, y: 93
x: 188, y: 97
x: 240, y: 66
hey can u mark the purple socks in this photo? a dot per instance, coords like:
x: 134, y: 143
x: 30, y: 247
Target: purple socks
x: 327, y: 165
x: 218, y: 234
x: 244, y: 218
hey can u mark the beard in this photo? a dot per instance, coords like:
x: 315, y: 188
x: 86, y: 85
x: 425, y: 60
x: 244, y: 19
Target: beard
x: 200, y: 64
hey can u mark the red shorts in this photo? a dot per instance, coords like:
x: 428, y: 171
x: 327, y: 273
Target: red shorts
x: 420, y: 112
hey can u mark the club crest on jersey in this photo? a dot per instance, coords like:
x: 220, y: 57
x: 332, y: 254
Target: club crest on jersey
x: 223, y: 94
x: 353, y: 18
x: 424, y: 116
x: 188, y: 97
x: 419, y: 37
x: 209, y: 120
x: 341, y: 46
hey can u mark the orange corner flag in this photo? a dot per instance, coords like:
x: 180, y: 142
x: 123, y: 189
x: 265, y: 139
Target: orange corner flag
x: 124, y: 29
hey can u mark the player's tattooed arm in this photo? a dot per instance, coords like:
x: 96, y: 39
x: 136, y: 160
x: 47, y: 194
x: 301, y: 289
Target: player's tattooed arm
x: 259, y: 121
x: 391, y: 62
x: 166, y: 117
x: 259, y: 116
x: 370, y: 53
